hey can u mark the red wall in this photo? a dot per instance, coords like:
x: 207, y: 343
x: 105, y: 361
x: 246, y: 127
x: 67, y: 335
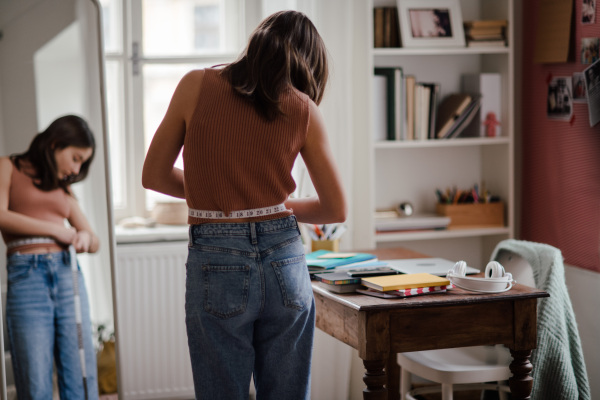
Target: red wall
x: 561, y: 159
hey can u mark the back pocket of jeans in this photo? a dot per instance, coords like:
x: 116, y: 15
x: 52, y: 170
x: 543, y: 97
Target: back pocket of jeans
x: 294, y: 281
x: 225, y: 289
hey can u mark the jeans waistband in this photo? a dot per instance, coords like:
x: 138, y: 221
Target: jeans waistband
x: 243, y: 228
x: 62, y: 256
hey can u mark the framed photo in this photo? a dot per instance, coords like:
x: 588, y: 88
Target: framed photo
x: 431, y: 23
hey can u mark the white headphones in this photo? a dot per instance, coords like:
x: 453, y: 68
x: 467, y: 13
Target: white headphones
x: 496, y: 279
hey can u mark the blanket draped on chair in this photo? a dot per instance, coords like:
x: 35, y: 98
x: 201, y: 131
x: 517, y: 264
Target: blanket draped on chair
x: 558, y: 366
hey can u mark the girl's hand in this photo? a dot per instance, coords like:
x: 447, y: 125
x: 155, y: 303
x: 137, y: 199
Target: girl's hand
x: 82, y: 241
x: 65, y: 235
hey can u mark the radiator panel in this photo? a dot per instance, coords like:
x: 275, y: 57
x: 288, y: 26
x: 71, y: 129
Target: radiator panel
x: 154, y: 362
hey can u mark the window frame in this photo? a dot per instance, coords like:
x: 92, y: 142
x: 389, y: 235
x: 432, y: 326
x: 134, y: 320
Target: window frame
x: 130, y: 62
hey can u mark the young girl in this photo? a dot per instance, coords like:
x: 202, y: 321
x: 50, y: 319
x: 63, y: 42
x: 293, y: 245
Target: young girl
x: 35, y: 201
x: 249, y: 302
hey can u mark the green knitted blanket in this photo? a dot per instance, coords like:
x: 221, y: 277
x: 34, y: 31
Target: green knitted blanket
x: 558, y: 365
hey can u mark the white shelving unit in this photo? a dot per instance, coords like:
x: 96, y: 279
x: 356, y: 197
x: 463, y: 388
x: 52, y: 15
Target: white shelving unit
x: 387, y: 173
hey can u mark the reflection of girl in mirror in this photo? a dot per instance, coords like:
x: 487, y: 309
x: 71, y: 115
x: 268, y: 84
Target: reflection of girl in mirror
x: 35, y: 202
x: 249, y: 302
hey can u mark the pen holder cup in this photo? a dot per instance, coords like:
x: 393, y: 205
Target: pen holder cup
x: 331, y: 245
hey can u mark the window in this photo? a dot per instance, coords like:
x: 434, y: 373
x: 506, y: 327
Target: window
x: 149, y: 45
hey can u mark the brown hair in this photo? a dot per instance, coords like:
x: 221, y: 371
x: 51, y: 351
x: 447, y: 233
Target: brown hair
x: 284, y: 50
x: 69, y: 130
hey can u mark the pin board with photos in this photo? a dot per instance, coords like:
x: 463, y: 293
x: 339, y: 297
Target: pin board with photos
x: 560, y: 136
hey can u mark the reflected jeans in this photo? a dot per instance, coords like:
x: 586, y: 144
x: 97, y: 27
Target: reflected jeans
x: 249, y: 310
x: 40, y: 316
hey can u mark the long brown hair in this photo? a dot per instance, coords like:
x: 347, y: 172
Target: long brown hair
x: 69, y: 130
x: 284, y: 50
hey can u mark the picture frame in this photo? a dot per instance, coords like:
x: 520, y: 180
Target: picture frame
x: 431, y: 23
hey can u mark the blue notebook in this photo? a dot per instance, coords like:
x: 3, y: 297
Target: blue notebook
x: 326, y: 259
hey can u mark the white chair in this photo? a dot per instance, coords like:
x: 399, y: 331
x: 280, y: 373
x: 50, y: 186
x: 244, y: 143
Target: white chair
x: 465, y: 368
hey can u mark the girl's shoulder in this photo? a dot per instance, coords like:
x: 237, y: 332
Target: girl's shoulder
x: 6, y: 164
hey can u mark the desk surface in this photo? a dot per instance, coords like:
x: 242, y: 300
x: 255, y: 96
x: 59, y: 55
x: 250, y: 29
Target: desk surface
x: 380, y: 328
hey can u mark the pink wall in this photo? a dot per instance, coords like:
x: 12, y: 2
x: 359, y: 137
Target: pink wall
x: 561, y: 159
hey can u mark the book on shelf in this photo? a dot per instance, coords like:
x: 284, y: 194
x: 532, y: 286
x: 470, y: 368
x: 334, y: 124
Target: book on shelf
x: 433, y: 100
x: 423, y: 110
x: 463, y: 126
x: 409, y: 83
x: 456, y: 113
x: 378, y: 26
x: 486, y: 43
x: 412, y: 222
x: 489, y: 87
x: 404, y: 281
x: 395, y: 103
x: 485, y: 23
x: 386, y: 31
x: 449, y: 110
x: 325, y: 259
x: 482, y: 33
x: 380, y: 106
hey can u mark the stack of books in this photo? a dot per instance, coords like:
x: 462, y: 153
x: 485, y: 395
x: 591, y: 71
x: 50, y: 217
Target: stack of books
x: 455, y: 114
x: 323, y: 260
x: 347, y: 281
x: 483, y: 33
x: 386, y: 31
x: 404, y: 285
x: 406, y: 108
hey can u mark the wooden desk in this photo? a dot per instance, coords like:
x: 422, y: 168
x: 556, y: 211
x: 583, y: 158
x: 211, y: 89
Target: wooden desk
x: 381, y: 328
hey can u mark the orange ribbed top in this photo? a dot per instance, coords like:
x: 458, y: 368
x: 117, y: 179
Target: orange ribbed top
x: 235, y: 159
x: 25, y: 198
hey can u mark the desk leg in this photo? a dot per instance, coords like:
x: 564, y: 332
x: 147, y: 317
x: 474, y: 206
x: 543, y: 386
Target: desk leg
x: 521, y: 382
x: 375, y: 380
x: 392, y: 370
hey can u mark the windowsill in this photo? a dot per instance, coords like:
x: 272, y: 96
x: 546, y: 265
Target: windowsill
x: 159, y: 233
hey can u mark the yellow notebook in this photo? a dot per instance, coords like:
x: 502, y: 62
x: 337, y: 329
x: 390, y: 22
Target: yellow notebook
x: 404, y: 281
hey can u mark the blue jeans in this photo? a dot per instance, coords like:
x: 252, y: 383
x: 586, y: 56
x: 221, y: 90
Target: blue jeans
x: 40, y: 316
x: 249, y: 310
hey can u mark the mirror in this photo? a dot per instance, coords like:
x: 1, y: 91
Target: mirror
x: 51, y: 64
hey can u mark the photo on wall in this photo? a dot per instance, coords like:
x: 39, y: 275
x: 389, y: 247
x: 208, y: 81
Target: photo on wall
x: 579, y: 95
x: 560, y: 98
x: 591, y: 76
x: 589, y: 50
x: 588, y: 12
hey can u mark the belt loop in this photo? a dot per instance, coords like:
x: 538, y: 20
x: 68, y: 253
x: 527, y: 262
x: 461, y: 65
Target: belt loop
x: 253, y: 233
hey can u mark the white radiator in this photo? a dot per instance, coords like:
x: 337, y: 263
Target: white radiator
x: 154, y: 362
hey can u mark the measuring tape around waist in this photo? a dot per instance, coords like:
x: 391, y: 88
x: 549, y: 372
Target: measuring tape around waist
x: 31, y: 240
x: 251, y: 213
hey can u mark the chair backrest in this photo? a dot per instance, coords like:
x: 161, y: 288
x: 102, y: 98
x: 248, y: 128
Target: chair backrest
x: 520, y: 268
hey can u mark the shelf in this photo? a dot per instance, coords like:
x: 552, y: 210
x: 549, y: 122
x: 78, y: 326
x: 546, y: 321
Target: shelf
x: 400, y: 51
x: 440, y: 234
x: 399, y: 144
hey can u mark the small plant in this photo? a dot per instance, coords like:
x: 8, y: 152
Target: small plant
x: 103, y: 333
